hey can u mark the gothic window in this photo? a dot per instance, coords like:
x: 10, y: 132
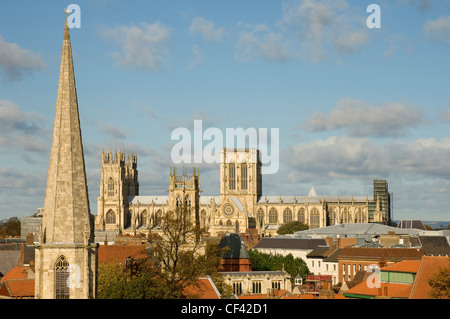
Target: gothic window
x: 345, y: 216
x: 229, y: 223
x: 273, y: 216
x: 111, y: 187
x: 232, y: 177
x: 187, y: 202
x: 360, y: 216
x: 301, y: 215
x: 237, y: 226
x: 244, y: 177
x: 203, y: 218
x: 144, y: 218
x: 314, y: 219
x: 260, y: 217
x: 158, y: 216
x: 62, y: 278
x: 179, y: 201
x: 110, y: 217
x: 331, y: 216
x: 287, y: 216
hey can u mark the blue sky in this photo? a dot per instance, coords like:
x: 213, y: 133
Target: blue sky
x: 351, y: 103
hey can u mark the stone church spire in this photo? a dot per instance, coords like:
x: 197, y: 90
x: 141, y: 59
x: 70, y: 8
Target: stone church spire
x: 66, y: 258
x: 66, y: 208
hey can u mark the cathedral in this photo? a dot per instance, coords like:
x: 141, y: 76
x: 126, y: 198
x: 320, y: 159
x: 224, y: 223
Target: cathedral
x: 241, y: 204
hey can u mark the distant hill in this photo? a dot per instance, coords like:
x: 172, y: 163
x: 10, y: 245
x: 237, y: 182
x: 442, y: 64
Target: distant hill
x: 439, y: 224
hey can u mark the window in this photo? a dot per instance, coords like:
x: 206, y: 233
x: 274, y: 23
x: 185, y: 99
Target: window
x: 110, y: 217
x: 260, y: 217
x: 287, y: 216
x: 144, y: 218
x: 62, y: 278
x: 232, y: 177
x: 237, y: 288
x: 158, y: 216
x: 256, y: 287
x: 273, y: 216
x: 244, y: 176
x: 314, y: 221
x: 111, y: 187
x: 179, y: 202
x: 301, y: 215
x: 276, y: 285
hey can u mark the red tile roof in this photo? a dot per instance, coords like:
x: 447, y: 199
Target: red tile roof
x: 428, y: 267
x: 203, y: 289
x: 410, y: 266
x: 18, y: 272
x: 18, y: 288
x: 119, y: 253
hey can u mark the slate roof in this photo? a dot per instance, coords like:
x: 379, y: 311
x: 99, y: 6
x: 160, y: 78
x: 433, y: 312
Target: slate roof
x: 290, y: 243
x: 434, y: 245
x: 236, y: 245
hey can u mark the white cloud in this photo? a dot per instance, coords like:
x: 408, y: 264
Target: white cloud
x: 207, y: 29
x: 20, y: 130
x: 143, y: 47
x: 362, y: 119
x: 198, y: 57
x: 342, y: 159
x: 308, y: 30
x: 261, y: 42
x: 16, y: 62
x: 438, y: 30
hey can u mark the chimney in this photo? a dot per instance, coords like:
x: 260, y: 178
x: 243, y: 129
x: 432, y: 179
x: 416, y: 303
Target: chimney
x: 29, y: 239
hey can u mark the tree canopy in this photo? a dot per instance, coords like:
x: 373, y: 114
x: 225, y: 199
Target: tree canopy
x: 291, y: 227
x: 268, y: 262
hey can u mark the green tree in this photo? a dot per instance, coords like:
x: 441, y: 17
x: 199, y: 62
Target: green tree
x: 269, y: 262
x: 291, y: 227
x: 182, y: 254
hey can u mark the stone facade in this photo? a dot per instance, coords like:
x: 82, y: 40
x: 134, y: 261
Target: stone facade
x: 239, y: 206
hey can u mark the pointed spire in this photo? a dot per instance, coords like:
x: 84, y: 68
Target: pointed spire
x: 66, y: 207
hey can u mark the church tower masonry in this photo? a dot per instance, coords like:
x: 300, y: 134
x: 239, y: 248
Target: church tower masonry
x: 119, y: 180
x: 66, y: 257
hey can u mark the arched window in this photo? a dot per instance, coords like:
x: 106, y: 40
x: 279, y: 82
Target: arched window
x: 314, y: 219
x: 62, y: 278
x: 231, y: 177
x: 260, y: 217
x: 244, y: 177
x: 360, y: 216
x: 110, y: 217
x: 229, y: 223
x: 187, y: 202
x: 331, y: 216
x: 301, y: 215
x: 157, y: 220
x: 345, y: 216
x: 144, y: 218
x: 179, y: 202
x: 203, y: 218
x: 287, y: 216
x: 273, y: 216
x: 110, y: 187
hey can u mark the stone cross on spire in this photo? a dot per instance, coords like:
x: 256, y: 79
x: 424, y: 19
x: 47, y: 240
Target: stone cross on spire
x: 66, y: 207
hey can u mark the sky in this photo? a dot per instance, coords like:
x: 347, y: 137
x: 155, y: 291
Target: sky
x: 352, y: 103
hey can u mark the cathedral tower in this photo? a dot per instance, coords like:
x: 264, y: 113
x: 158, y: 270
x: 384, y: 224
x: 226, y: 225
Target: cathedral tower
x: 185, y: 190
x: 119, y: 180
x: 240, y: 174
x: 66, y: 257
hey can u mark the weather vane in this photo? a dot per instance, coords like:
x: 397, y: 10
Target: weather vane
x: 66, y: 11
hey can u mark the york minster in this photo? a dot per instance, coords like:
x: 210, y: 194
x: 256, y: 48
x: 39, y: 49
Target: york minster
x: 239, y: 206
